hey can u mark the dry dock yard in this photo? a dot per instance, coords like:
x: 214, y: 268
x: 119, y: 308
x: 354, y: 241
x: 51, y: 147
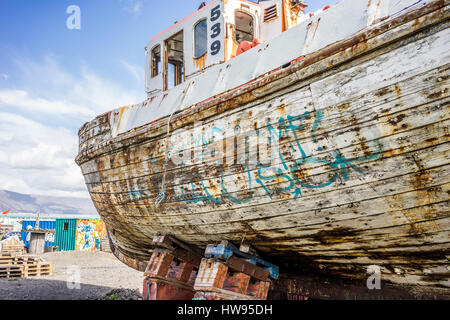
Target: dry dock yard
x: 77, y: 275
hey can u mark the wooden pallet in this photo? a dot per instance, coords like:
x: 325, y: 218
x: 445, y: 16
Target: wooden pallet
x: 14, y: 250
x: 171, y: 271
x: 6, y: 261
x: 39, y: 269
x: 29, y: 260
x: 15, y: 266
x: 6, y: 247
x: 11, y: 271
x: 7, y: 258
x: 4, y: 254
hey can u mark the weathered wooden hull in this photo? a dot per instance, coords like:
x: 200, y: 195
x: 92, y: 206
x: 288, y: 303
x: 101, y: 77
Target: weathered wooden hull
x: 360, y: 175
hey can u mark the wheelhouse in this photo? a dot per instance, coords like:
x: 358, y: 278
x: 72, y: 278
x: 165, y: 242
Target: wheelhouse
x: 217, y: 32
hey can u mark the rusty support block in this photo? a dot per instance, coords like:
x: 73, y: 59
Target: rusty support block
x: 159, y: 263
x: 236, y: 282
x: 258, y: 289
x: 243, y: 266
x: 212, y: 274
x: 216, y: 280
x: 247, y: 248
x: 155, y: 289
x: 171, y: 271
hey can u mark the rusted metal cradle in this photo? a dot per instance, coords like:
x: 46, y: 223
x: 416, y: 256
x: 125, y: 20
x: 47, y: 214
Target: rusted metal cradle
x: 358, y: 174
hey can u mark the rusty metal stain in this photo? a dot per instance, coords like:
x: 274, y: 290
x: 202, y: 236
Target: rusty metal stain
x: 199, y: 63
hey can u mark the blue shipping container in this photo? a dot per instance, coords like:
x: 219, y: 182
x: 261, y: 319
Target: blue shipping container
x: 49, y: 225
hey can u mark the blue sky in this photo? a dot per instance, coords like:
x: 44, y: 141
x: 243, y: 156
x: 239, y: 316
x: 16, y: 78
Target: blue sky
x: 53, y: 79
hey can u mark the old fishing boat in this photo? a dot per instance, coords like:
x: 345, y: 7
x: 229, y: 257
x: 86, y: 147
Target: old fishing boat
x: 320, y: 139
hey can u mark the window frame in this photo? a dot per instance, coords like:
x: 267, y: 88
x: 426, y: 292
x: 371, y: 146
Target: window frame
x: 194, y: 38
x: 167, y: 61
x: 160, y: 61
x: 253, y: 23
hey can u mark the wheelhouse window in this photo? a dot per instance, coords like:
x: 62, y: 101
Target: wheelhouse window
x: 200, y: 39
x: 156, y: 60
x: 174, y: 61
x: 244, y: 27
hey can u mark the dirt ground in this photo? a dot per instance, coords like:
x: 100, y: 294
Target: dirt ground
x: 78, y: 276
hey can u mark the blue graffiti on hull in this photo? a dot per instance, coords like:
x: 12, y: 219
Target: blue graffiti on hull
x: 286, y: 177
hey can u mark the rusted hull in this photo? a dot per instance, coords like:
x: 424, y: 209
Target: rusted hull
x: 360, y: 175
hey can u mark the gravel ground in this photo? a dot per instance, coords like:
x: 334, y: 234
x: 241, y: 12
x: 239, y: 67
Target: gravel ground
x: 101, y: 277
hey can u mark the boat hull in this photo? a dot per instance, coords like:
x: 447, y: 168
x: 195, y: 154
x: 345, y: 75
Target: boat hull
x: 332, y: 164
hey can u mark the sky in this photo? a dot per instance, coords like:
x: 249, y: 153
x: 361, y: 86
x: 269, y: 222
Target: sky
x: 54, y: 79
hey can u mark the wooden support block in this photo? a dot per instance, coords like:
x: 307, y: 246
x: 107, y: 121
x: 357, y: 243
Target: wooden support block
x: 236, y: 282
x: 212, y: 274
x: 180, y: 271
x: 171, y: 271
x: 246, y: 267
x: 247, y: 248
x: 187, y: 256
x: 155, y: 289
x: 171, y: 243
x: 159, y: 263
x: 218, y: 280
x: 212, y: 295
x: 163, y: 241
x: 258, y: 289
x: 221, y: 294
x: 224, y: 251
x: 169, y: 282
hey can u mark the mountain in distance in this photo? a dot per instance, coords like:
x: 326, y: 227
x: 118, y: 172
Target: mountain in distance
x: 26, y: 203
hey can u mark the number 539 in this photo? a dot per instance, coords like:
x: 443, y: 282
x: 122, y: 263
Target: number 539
x: 216, y: 30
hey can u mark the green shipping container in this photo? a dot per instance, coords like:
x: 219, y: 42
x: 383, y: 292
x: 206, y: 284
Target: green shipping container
x: 66, y: 232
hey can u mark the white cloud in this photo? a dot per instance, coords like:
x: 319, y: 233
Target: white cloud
x: 138, y: 73
x: 21, y: 99
x: 38, y: 159
x: 133, y: 6
x: 79, y: 92
x: 39, y: 123
x: 5, y: 76
x: 31, y: 145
